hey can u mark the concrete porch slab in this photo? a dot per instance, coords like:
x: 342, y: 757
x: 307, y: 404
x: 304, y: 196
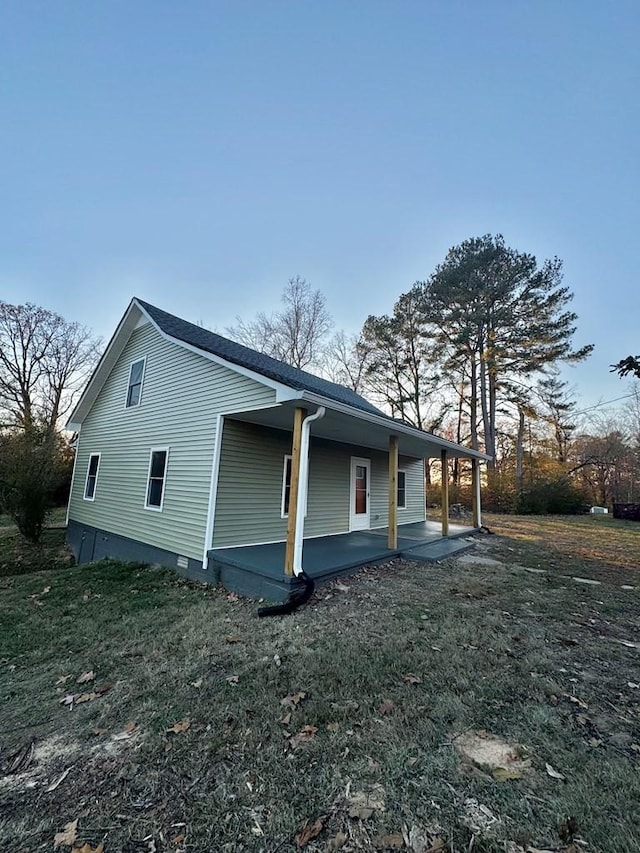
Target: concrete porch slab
x: 257, y: 570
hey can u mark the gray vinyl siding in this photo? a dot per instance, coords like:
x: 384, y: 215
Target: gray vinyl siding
x: 249, y: 499
x: 181, y: 395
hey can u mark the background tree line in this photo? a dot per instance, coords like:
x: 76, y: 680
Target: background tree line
x: 472, y: 353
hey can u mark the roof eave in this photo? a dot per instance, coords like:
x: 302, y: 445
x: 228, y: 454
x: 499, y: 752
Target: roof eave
x: 394, y: 426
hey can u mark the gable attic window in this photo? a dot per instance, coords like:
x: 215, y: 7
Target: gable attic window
x: 92, y: 477
x: 156, y: 478
x: 134, y: 389
x: 402, y: 489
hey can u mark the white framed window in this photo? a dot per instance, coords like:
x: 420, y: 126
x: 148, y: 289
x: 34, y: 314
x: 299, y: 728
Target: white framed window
x: 92, y: 477
x: 286, y: 488
x: 402, y: 489
x: 156, y: 478
x: 134, y: 386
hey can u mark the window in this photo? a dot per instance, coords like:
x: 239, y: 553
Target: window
x: 402, y: 489
x: 92, y: 477
x: 286, y: 488
x: 134, y: 390
x: 156, y: 479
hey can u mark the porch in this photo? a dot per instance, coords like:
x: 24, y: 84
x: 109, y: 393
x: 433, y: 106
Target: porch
x: 257, y: 570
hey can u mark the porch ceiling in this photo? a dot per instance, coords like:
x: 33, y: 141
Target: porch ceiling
x: 349, y: 429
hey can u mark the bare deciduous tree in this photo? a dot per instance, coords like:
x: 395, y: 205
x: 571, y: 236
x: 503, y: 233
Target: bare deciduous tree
x: 297, y: 334
x: 44, y: 361
x: 347, y: 360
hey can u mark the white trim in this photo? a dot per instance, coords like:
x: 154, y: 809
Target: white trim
x: 394, y: 426
x: 404, y: 505
x: 284, y: 514
x: 153, y: 450
x: 213, y: 490
x: 142, y: 359
x: 287, y: 458
x: 86, y: 479
x: 105, y: 358
x: 287, y: 392
x: 353, y: 525
x: 73, y: 479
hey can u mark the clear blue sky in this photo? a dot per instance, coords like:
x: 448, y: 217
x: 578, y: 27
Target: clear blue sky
x: 198, y: 154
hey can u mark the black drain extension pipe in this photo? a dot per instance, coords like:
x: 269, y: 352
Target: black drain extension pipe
x: 296, y: 599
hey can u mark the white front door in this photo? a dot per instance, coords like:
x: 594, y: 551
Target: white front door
x: 360, y: 493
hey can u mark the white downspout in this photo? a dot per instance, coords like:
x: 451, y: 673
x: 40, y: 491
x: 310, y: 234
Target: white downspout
x: 303, y: 488
x: 478, y: 503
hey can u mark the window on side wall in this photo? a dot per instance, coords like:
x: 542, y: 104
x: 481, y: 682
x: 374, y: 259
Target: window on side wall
x: 402, y: 489
x: 157, y: 478
x: 134, y: 388
x: 92, y: 477
x: 286, y: 488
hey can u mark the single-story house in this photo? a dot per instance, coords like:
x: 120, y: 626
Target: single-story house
x: 198, y: 453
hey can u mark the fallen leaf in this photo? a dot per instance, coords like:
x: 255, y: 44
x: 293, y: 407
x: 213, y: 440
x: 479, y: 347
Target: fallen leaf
x: 101, y: 689
x: 233, y: 597
x: 391, y: 841
x: 179, y: 728
x: 309, y: 831
x: 554, y: 773
x: 233, y: 638
x: 58, y: 781
x: 337, y: 842
x: 633, y: 685
x: 503, y: 774
x: 69, y: 699
x: 122, y: 736
x: 305, y: 734
x: 63, y: 679
x: 342, y: 587
x: 277, y: 660
x: 333, y: 727
x: 412, y: 679
x: 386, y: 707
x: 81, y: 698
x: 99, y: 731
x: 179, y: 838
x: 576, y: 701
x: 362, y: 804
x: 67, y: 836
x: 233, y: 679
x: 197, y: 683
x: 86, y: 677
x: 87, y: 848
x: 131, y: 726
x: 294, y: 699
x: 286, y: 719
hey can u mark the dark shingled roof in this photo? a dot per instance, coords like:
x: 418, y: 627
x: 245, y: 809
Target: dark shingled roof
x: 238, y: 354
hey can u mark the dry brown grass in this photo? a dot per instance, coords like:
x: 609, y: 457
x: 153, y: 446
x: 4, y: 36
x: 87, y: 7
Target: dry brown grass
x: 395, y: 663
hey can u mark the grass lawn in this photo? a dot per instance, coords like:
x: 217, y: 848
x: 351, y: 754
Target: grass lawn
x: 369, y: 720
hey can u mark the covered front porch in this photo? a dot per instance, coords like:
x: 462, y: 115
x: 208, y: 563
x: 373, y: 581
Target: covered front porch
x: 257, y: 570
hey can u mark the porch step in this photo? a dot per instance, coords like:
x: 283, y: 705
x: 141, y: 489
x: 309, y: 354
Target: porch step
x: 434, y: 551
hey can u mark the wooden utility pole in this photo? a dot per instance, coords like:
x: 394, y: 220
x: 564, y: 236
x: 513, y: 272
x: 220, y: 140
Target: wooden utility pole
x: 444, y: 480
x: 475, y: 492
x: 392, y: 542
x: 298, y: 418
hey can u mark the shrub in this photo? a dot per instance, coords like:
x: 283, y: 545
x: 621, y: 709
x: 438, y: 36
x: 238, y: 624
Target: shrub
x: 551, y: 497
x: 30, y: 473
